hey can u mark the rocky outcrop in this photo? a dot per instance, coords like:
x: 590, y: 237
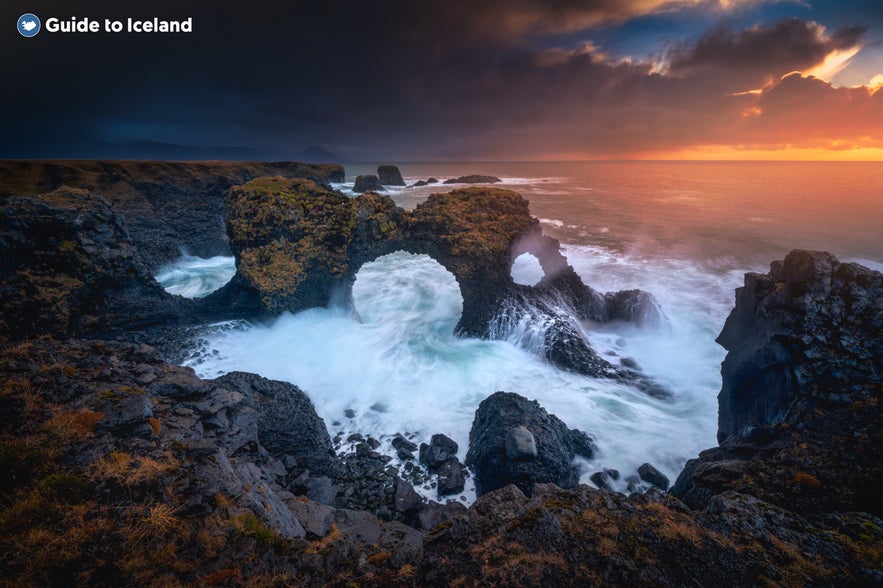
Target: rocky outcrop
x: 799, y: 414
x: 584, y: 537
x: 127, y: 460
x: 390, y: 175
x: 812, y: 327
x: 367, y: 183
x: 296, y: 243
x: 168, y: 205
x: 474, y: 179
x: 515, y: 441
x: 69, y: 269
x: 288, y: 426
x: 566, y: 346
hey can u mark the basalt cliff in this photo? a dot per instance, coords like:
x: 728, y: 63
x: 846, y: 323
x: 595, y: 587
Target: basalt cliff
x: 120, y: 468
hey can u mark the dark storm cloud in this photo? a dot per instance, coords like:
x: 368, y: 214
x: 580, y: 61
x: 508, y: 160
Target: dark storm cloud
x: 391, y: 79
x: 753, y: 55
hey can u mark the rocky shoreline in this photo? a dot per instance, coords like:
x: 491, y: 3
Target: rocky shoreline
x: 119, y: 468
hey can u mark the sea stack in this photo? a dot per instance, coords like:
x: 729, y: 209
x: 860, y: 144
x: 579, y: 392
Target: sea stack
x: 368, y: 183
x: 390, y: 175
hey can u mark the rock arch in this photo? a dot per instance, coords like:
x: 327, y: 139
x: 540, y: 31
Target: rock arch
x: 299, y: 245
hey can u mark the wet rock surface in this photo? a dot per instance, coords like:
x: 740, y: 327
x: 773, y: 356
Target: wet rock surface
x: 810, y: 328
x: 515, y: 441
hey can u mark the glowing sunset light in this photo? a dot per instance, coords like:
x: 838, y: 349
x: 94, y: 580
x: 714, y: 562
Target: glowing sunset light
x: 833, y: 64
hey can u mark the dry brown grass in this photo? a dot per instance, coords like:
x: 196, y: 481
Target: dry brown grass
x: 807, y: 480
x: 73, y: 425
x: 324, y: 545
x: 155, y: 425
x: 131, y: 470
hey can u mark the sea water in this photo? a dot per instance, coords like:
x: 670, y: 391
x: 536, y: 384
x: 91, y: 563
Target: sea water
x: 194, y: 277
x: 685, y: 232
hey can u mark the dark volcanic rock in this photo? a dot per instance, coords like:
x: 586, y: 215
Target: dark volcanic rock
x: 390, y: 175
x: 296, y: 242
x: 602, y: 480
x: 799, y: 414
x: 812, y: 327
x: 634, y: 306
x: 568, y: 348
x: 128, y: 461
x: 473, y: 179
x: 368, y: 183
x: 288, y: 426
x: 500, y: 453
x: 69, y: 268
x: 651, y: 475
x: 584, y: 537
x: 450, y: 477
x: 168, y: 205
x: 439, y: 450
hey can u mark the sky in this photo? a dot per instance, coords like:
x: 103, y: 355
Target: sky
x: 419, y: 80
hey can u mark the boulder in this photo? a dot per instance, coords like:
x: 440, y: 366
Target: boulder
x: 473, y: 179
x: 390, y: 175
x: 450, y: 477
x: 515, y: 441
x: 520, y: 444
x: 439, y: 450
x: 367, y: 183
x: 602, y: 480
x: 652, y: 476
x: 288, y: 425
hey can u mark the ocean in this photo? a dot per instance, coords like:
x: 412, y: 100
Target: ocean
x: 686, y: 232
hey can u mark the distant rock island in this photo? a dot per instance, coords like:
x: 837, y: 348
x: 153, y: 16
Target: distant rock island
x: 118, y: 467
x: 474, y: 179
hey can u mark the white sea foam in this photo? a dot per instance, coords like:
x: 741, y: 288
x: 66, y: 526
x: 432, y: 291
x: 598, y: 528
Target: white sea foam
x: 195, y: 277
x: 526, y: 270
x: 874, y: 265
